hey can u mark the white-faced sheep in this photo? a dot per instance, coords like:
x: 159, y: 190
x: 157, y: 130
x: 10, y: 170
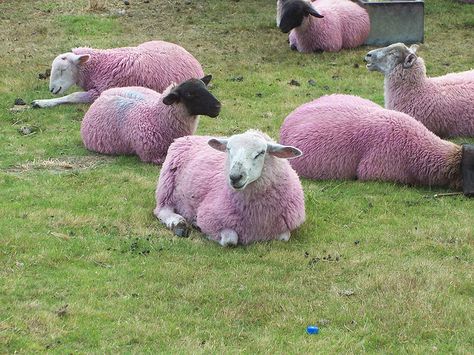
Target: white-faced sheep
x: 445, y: 104
x: 323, y: 25
x: 249, y: 194
x: 154, y: 65
x: 137, y: 120
x: 347, y: 137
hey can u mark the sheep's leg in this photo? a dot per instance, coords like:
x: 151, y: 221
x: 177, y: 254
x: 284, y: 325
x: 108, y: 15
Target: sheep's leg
x: 173, y: 221
x: 228, y: 238
x: 284, y: 237
x: 82, y: 97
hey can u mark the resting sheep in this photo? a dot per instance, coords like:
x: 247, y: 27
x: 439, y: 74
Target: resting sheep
x: 137, y: 120
x: 445, y: 104
x: 154, y: 65
x: 347, y: 137
x: 323, y: 25
x: 248, y: 194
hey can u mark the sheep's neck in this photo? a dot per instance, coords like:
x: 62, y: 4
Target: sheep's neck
x: 409, y: 81
x: 181, y: 121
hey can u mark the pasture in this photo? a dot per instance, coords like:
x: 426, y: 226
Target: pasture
x: 86, y: 267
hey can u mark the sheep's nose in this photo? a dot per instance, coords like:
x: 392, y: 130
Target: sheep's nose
x: 235, y: 178
x: 51, y: 90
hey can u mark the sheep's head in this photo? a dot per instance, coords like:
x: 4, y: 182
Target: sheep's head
x: 64, y: 71
x: 293, y: 13
x: 388, y: 58
x: 195, y: 96
x: 246, y: 155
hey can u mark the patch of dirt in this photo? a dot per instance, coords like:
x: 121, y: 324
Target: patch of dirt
x: 61, y: 165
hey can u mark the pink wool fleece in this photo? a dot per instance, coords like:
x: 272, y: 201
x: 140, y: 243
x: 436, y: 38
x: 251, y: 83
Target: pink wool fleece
x: 444, y: 104
x: 154, y: 65
x: 193, y: 183
x: 347, y: 137
x: 345, y: 25
x: 134, y: 120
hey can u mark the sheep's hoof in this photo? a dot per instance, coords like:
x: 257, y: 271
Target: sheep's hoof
x: 34, y: 104
x: 181, y: 230
x: 293, y: 47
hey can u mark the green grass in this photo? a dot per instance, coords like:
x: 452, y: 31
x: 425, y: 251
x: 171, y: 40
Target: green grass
x: 381, y: 267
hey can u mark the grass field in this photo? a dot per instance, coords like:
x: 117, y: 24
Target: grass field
x: 85, y: 267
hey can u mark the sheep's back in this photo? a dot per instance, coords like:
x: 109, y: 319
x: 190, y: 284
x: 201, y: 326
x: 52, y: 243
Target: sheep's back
x: 154, y: 65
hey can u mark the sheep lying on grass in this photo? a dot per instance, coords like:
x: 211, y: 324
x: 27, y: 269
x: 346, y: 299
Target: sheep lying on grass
x: 323, y: 25
x: 445, y: 104
x: 249, y: 194
x: 137, y: 120
x: 347, y: 137
x: 154, y: 65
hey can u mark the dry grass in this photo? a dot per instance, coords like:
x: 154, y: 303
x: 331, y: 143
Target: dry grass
x: 63, y: 164
x: 97, y: 5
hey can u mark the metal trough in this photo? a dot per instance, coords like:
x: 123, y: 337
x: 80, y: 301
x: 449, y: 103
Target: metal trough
x: 394, y: 21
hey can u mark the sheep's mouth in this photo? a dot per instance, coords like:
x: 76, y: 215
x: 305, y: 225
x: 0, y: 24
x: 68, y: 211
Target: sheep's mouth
x: 57, y: 92
x: 239, y: 187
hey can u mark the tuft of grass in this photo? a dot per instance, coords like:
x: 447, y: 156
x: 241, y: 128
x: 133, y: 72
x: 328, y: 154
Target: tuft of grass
x: 97, y: 5
x: 86, y: 267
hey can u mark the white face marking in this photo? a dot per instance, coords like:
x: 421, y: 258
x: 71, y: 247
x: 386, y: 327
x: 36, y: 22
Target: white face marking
x: 246, y: 155
x: 64, y: 72
x: 386, y: 59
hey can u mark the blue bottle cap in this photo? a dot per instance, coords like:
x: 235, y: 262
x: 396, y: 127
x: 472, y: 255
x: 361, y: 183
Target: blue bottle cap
x: 312, y: 329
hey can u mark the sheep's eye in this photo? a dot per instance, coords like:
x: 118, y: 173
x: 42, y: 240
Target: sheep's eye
x: 259, y: 154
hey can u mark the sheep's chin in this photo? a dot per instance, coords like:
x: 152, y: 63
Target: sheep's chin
x: 239, y: 188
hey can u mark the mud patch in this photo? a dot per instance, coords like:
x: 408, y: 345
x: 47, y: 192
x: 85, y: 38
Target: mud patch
x: 61, y: 165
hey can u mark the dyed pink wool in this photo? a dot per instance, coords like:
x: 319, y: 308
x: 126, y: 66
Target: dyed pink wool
x: 444, y: 104
x: 345, y: 25
x: 154, y: 65
x: 347, y: 137
x: 193, y: 183
x: 134, y: 120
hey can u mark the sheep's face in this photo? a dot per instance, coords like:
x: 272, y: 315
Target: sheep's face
x: 246, y: 155
x: 293, y: 12
x: 195, y: 96
x: 64, y: 71
x: 386, y: 59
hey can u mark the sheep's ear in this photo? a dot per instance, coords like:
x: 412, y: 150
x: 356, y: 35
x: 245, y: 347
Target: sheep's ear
x: 80, y: 59
x: 410, y: 59
x: 219, y: 144
x: 171, y: 98
x: 283, y: 151
x: 311, y: 11
x: 414, y: 48
x: 207, y: 79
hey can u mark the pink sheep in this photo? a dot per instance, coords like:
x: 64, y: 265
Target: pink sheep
x: 323, y: 25
x: 347, y: 137
x: 154, y: 65
x: 445, y: 104
x: 246, y: 195
x: 137, y: 120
